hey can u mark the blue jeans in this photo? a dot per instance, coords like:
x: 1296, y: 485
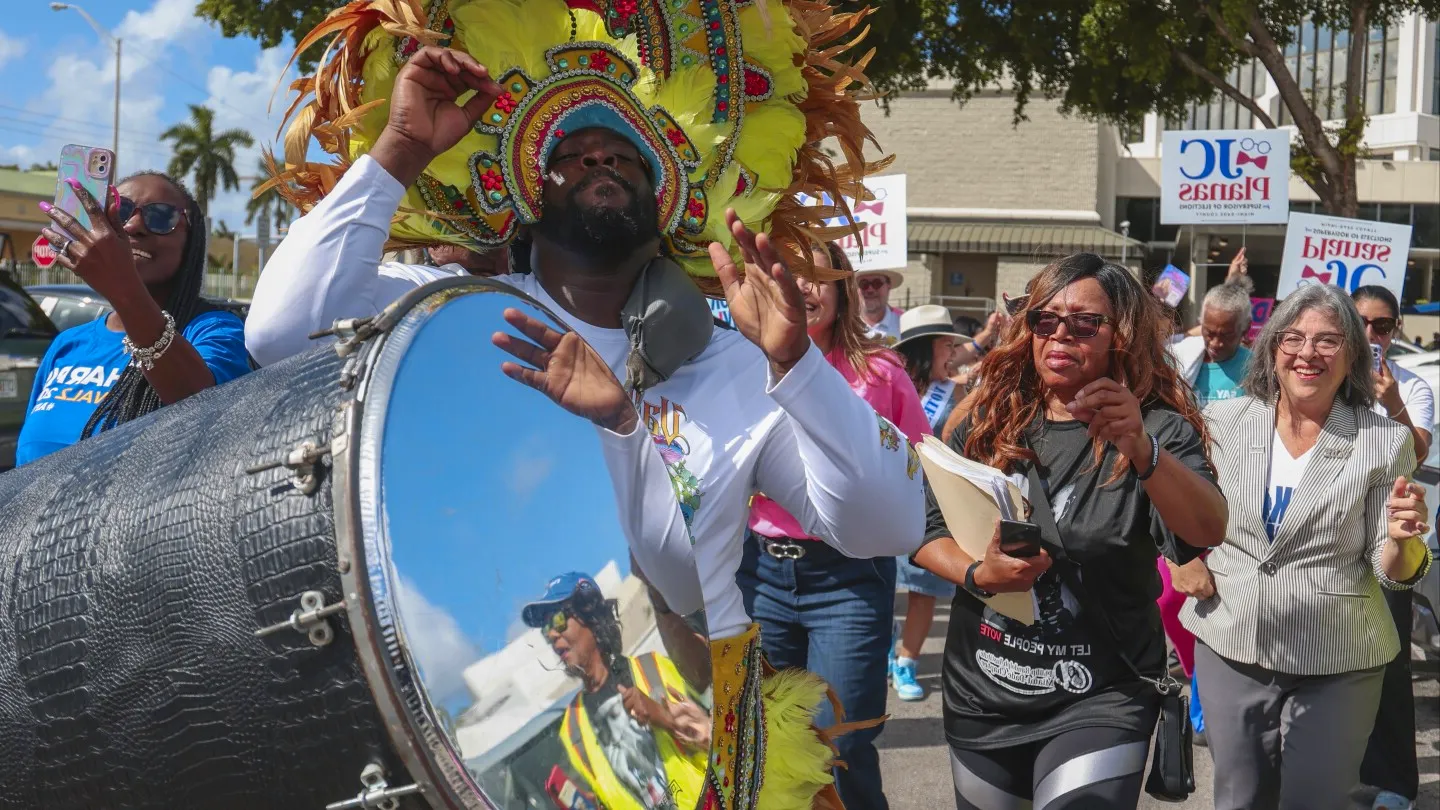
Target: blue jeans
x: 832, y: 615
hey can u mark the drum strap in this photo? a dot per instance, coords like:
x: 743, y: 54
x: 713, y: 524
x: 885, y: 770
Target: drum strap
x: 668, y: 322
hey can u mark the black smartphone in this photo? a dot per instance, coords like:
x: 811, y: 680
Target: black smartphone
x: 1019, y: 539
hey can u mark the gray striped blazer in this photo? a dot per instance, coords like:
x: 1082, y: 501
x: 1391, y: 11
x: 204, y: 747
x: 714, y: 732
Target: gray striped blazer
x: 1310, y: 602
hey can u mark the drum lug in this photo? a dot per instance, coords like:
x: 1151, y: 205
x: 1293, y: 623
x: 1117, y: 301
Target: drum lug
x: 301, y: 461
x: 349, y: 333
x: 377, y: 793
x: 310, y: 619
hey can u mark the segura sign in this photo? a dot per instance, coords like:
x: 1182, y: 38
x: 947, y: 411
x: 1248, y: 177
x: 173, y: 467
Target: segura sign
x: 1349, y: 253
x: 883, y: 225
x: 1225, y: 177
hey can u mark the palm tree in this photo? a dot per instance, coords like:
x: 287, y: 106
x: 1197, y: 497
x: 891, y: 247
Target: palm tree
x: 209, y: 155
x: 268, y: 204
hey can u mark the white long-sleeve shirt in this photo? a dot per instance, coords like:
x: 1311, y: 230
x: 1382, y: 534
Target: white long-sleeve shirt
x: 725, y: 429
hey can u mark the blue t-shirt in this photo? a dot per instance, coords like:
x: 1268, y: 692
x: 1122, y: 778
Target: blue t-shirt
x: 1217, y: 381
x: 84, y: 361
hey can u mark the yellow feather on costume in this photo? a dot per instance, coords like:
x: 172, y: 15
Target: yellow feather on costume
x: 797, y: 762
x: 773, y: 44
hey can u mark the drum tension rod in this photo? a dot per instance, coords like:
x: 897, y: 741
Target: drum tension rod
x: 349, y: 333
x: 301, y: 461
x: 377, y: 793
x: 310, y: 619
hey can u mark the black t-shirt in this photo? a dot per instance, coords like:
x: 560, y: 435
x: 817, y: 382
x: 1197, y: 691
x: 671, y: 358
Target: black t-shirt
x: 1007, y: 684
x: 629, y: 748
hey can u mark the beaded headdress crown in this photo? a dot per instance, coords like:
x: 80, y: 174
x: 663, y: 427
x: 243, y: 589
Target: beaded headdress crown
x: 728, y: 102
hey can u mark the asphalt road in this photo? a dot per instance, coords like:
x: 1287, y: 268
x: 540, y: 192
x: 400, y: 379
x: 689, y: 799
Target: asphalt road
x: 916, y: 766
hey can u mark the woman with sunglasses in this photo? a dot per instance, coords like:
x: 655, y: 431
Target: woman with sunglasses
x: 1295, y: 638
x: 1390, y: 763
x: 1080, y: 408
x: 160, y: 343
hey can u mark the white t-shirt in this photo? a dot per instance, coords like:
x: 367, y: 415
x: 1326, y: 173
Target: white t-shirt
x: 730, y: 431
x: 888, y: 330
x: 1285, y: 474
x: 1418, y: 396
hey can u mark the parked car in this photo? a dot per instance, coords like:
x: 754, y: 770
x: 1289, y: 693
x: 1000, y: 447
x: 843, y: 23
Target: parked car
x: 73, y: 304
x: 25, y: 335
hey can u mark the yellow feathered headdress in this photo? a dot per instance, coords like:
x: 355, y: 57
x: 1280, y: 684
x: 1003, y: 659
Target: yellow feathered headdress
x: 728, y: 102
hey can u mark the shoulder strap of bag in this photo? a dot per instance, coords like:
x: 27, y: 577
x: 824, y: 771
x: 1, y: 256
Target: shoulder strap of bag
x: 1042, y: 513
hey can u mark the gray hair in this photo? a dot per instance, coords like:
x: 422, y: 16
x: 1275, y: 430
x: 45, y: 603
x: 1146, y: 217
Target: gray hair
x: 1233, y: 298
x: 1359, y: 388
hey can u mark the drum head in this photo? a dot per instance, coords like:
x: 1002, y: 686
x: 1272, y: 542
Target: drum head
x: 533, y: 655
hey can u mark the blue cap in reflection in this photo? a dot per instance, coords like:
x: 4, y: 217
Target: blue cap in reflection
x: 559, y: 590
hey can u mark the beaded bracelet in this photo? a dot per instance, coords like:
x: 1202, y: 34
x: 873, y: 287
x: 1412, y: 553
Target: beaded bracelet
x: 145, y: 357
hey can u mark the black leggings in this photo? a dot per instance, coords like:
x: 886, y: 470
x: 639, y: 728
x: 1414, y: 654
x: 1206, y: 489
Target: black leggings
x: 1078, y: 770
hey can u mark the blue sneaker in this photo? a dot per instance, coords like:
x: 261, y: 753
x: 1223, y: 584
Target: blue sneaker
x: 904, y: 679
x: 1386, y: 800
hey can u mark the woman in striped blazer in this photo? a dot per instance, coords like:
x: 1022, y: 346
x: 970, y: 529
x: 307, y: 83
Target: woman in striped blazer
x: 1296, y: 636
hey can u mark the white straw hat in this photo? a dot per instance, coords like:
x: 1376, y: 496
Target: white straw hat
x: 928, y: 320
x: 895, y: 278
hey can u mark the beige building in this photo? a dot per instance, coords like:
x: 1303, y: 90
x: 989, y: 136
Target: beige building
x: 990, y: 202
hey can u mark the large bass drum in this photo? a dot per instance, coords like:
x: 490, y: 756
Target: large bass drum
x: 382, y: 574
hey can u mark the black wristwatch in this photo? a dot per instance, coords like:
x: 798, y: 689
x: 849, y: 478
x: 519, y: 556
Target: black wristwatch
x: 970, y: 586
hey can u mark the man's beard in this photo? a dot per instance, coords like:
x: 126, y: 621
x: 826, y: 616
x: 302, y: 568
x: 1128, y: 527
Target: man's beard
x: 603, y: 233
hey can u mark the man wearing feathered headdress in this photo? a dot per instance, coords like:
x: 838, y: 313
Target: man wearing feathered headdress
x: 627, y: 151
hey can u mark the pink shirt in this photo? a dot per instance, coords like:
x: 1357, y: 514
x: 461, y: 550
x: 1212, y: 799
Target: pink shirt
x: 890, y: 393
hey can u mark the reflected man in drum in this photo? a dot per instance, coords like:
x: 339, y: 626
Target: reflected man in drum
x: 634, y: 735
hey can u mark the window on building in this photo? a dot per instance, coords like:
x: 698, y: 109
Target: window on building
x: 1435, y: 153
x: 1427, y: 226
x: 1143, y: 214
x: 1396, y: 213
x: 1317, y: 58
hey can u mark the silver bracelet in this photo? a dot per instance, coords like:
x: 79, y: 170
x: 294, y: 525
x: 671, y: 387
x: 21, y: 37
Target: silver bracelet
x: 145, y: 357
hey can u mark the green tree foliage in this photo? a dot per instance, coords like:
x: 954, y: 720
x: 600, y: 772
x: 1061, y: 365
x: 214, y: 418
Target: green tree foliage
x: 270, y: 21
x: 267, y: 204
x: 1115, y: 60
x: 209, y: 155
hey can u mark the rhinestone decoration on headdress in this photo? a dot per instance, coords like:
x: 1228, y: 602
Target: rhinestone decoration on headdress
x: 727, y: 100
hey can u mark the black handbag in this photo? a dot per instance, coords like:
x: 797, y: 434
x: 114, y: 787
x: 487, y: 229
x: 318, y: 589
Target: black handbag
x: 1172, y: 768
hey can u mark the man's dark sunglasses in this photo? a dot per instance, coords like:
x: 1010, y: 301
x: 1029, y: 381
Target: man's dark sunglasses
x: 159, y: 218
x: 1382, y: 326
x: 1081, y: 324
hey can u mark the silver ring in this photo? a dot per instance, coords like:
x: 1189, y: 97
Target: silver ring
x: 65, y: 248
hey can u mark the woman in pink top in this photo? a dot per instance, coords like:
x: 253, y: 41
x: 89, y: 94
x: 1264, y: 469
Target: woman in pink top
x: 818, y: 609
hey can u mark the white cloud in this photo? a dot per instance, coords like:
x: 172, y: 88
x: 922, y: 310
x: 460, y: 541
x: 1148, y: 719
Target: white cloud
x: 166, y: 22
x: 527, y: 472
x: 440, y: 648
x: 10, y: 48
x: 241, y: 99
x: 22, y: 155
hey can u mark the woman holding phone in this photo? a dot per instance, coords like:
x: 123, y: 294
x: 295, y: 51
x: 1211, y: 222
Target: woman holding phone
x: 160, y: 343
x: 1080, y: 408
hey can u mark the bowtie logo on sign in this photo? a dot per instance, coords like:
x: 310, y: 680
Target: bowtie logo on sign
x: 1349, y: 253
x: 1227, y: 158
x: 1225, y: 177
x: 883, y: 243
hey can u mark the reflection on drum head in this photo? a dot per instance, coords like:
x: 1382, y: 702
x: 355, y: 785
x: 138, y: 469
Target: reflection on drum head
x: 556, y: 672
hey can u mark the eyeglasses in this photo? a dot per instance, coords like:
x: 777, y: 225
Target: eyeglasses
x: 1080, y: 324
x: 557, y: 622
x: 1014, y: 305
x: 1381, y: 326
x: 159, y: 218
x: 872, y: 283
x: 1326, y: 344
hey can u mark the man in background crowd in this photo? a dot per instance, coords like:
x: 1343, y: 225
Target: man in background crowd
x: 883, y: 319
x: 1214, y: 361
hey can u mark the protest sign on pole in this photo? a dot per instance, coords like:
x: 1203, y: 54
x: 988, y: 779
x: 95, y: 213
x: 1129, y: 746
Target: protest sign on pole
x: 882, y: 224
x: 1227, y: 177
x: 1349, y: 253
x: 1260, y: 309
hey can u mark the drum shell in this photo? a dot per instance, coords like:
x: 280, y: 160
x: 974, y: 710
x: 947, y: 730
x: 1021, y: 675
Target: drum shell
x: 135, y: 568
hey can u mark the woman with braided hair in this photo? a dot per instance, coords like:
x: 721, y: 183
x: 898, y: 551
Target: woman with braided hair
x: 161, y: 342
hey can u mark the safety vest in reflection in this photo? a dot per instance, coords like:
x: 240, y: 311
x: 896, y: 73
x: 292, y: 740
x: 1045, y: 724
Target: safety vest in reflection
x: 654, y: 675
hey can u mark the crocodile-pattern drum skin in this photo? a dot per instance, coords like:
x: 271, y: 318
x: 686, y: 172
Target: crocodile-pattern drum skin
x: 135, y: 568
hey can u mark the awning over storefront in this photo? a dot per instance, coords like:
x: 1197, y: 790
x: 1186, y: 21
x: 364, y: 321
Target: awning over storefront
x: 1016, y: 239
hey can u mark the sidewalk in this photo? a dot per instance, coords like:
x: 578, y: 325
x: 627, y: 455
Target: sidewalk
x: 916, y: 765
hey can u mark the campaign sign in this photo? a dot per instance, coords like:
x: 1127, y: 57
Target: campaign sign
x: 720, y: 309
x: 883, y: 243
x: 1225, y: 176
x: 1349, y: 253
x: 1260, y: 309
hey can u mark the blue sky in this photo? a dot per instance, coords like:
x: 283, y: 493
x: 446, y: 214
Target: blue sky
x: 57, y: 83
x: 490, y: 491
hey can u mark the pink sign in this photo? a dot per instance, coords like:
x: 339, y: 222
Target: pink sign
x: 1260, y: 309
